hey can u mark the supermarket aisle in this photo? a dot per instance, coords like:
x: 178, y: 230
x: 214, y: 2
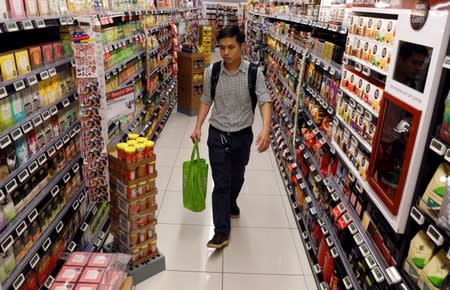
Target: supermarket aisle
x: 265, y: 250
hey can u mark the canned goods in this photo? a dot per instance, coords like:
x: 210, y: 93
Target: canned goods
x: 150, y: 168
x: 133, y: 136
x: 130, y: 154
x: 130, y: 174
x: 141, y: 140
x: 140, y: 152
x: 133, y: 239
x: 121, y: 151
x: 148, y: 148
x: 142, y: 237
x: 141, y: 171
x: 132, y: 191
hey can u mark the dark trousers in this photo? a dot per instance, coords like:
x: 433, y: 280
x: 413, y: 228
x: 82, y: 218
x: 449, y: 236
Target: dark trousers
x: 229, y: 153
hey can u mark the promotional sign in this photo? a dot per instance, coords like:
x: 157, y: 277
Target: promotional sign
x: 120, y: 102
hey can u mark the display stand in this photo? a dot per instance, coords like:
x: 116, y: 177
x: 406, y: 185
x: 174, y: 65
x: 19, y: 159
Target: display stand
x: 190, y: 82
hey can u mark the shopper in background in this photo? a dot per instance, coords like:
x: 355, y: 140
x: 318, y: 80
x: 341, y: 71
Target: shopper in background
x: 230, y: 132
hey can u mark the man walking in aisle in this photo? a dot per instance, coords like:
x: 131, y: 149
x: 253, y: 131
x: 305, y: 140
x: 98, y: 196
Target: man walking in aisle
x: 230, y: 132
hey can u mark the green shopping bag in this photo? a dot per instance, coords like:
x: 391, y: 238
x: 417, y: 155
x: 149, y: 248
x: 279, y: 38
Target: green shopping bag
x: 195, y: 181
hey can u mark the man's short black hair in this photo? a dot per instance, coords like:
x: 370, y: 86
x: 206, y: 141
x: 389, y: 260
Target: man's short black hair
x: 407, y: 49
x: 232, y: 31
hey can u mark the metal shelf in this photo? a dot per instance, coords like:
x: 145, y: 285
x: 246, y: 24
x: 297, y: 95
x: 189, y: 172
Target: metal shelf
x: 366, y: 106
x: 32, y: 257
x: 123, y: 63
x: 323, y: 102
x: 333, y: 68
x: 26, y: 124
x: 35, y: 76
x: 10, y: 184
x: 447, y: 62
x: 30, y: 23
x: 327, y: 229
x: 352, y: 131
x: 136, y: 75
x: 440, y: 148
x: 100, y: 235
x: 108, y: 47
x: 367, y: 68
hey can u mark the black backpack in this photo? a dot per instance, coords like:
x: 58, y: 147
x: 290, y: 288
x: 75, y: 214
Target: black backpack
x: 252, y: 74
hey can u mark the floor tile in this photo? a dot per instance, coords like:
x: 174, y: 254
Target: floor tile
x: 173, y: 212
x: 169, y: 140
x: 288, y: 210
x: 301, y: 252
x: 184, y: 247
x: 164, y: 173
x: 260, y: 161
x: 174, y: 280
x: 261, y: 211
x: 311, y: 282
x: 262, y: 282
x: 165, y: 156
x: 159, y: 201
x: 261, y: 251
x: 260, y: 182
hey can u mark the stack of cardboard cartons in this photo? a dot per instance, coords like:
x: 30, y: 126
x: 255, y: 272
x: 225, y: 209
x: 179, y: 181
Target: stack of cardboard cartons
x: 206, y: 42
x: 133, y: 198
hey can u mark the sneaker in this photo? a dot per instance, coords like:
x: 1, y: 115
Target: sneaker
x: 218, y: 241
x: 235, y: 211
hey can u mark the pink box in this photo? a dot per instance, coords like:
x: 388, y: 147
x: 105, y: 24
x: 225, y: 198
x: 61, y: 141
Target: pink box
x: 99, y: 260
x: 92, y: 275
x: 63, y: 286
x: 78, y: 259
x: 69, y: 274
x: 84, y: 286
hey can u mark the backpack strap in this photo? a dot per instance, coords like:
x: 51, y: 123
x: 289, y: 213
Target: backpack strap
x: 252, y: 75
x: 215, y: 78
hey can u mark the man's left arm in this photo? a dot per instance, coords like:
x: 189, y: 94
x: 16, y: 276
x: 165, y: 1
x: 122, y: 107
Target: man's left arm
x: 265, y: 107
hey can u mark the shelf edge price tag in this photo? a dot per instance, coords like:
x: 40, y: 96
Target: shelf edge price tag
x: 435, y: 235
x: 40, y: 23
x: 44, y: 75
x: 66, y: 178
x: 3, y: 92
x: 437, y: 146
x: 75, y: 205
x: 329, y: 241
x: 11, y: 186
x: 4, y: 142
x: 34, y: 260
x: 52, y: 72
x: 347, y: 283
x: 16, y: 134
x: 27, y: 25
x: 33, y: 215
x: 47, y: 244
x: 417, y: 216
x: 334, y: 253
x: 54, y: 191
x: 21, y: 228
x: 42, y: 159
x: 19, y: 281
x: 23, y: 175
x: 19, y: 85
x: 65, y: 103
x: 27, y: 127
x: 70, y: 21
x: 11, y: 27
x: 317, y: 269
x: 71, y: 247
x: 53, y: 110
x: 63, y: 21
x: 59, y: 144
x: 366, y: 71
x: 59, y: 227
x: 66, y: 138
x: 358, y: 67
x: 51, y: 151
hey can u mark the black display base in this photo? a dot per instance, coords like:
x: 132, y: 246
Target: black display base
x: 144, y: 270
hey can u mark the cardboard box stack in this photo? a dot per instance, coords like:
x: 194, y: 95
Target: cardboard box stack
x: 133, y: 198
x: 206, y: 41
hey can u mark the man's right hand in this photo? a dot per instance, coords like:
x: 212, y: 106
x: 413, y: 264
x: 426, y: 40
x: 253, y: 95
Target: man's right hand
x: 195, y: 136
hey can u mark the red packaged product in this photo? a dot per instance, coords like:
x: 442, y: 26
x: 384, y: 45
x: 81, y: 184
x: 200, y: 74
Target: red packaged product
x: 47, y: 52
x: 58, y: 51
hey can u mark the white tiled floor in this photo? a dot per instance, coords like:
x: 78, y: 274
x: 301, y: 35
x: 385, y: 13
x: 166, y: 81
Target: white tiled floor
x: 265, y: 250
